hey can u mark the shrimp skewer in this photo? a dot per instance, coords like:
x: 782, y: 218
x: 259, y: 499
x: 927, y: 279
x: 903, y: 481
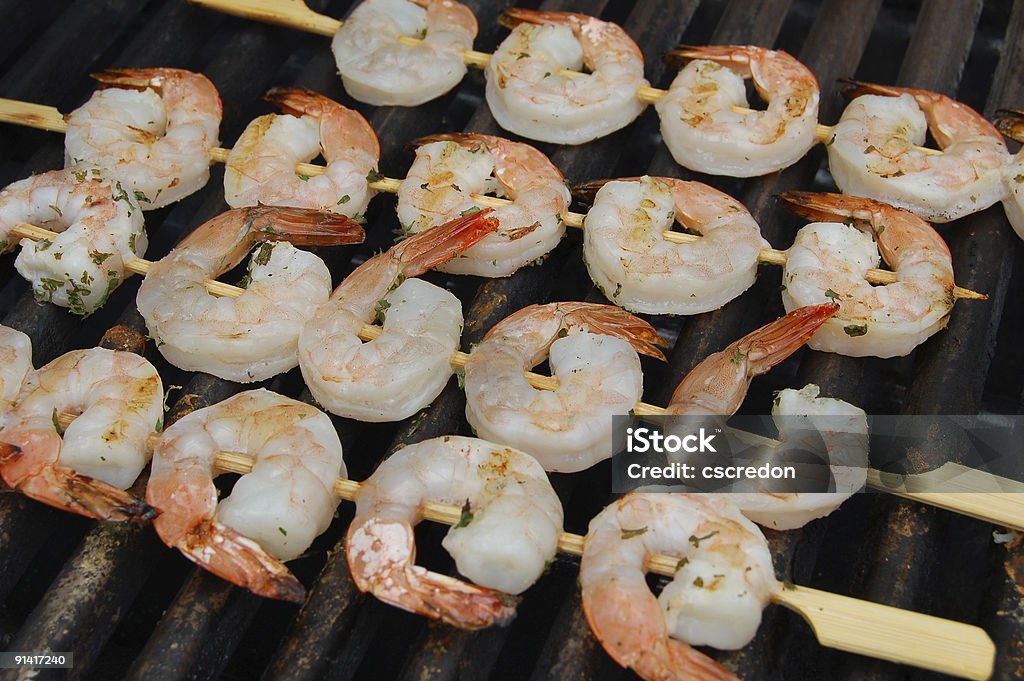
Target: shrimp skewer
x: 592, y: 350
x: 1011, y: 124
x: 260, y: 169
x: 273, y: 513
x: 153, y: 128
x: 85, y: 467
x: 828, y: 260
x: 409, y: 362
x: 451, y: 169
x: 704, y: 130
x: 509, y: 529
x: 254, y: 336
x: 529, y: 93
x: 723, y: 581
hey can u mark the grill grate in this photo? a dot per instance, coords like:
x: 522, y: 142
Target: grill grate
x: 130, y: 608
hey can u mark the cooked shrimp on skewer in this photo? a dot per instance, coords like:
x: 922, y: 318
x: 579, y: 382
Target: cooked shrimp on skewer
x: 1011, y: 124
x: 509, y: 529
x: 378, y: 69
x: 592, y: 350
x: 100, y: 226
x: 84, y: 468
x: 153, y: 128
x: 406, y: 367
x: 828, y: 261
x: 15, y: 363
x: 450, y: 168
x: 704, y: 132
x: 261, y: 167
x: 528, y: 95
x: 717, y: 386
x: 636, y: 268
x: 254, y: 336
x: 724, y: 581
x: 875, y: 152
x: 273, y: 513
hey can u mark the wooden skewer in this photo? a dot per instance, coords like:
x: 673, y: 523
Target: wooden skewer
x: 295, y: 14
x: 48, y: 118
x: 840, y: 622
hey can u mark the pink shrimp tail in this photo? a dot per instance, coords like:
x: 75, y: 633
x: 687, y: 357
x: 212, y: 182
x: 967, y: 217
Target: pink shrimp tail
x: 69, y: 491
x: 303, y: 227
x: 513, y: 16
x: 612, y: 320
x: 469, y: 140
x: 734, y: 55
x: 826, y: 207
x: 432, y: 247
x: 299, y: 101
x: 586, y: 191
x: 241, y: 561
x: 774, y: 342
x: 1010, y: 122
x: 341, y: 127
x: 140, y: 79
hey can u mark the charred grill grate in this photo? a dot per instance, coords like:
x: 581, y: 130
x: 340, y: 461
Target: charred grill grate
x: 130, y: 608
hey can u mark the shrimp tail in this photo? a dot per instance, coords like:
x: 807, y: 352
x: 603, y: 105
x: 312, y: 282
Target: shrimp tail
x: 299, y: 101
x: 856, y: 88
x: 734, y: 55
x: 303, y: 227
x: 612, y: 320
x: 432, y: 247
x: 69, y: 491
x: 1010, y: 122
x: 825, y: 207
x: 135, y: 79
x: 241, y: 561
x: 774, y: 342
x: 467, y: 140
x: 586, y: 191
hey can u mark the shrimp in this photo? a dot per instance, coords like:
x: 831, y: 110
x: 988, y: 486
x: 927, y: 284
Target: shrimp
x: 592, y: 350
x: 828, y: 260
x: 86, y: 467
x: 511, y: 520
x: 637, y: 269
x: 154, y: 128
x: 273, y: 513
x: 450, y: 168
x: 704, y: 132
x: 717, y: 386
x: 15, y: 364
x: 260, y: 169
x: 530, y: 95
x: 377, y: 67
x: 1011, y: 124
x: 875, y: 152
x: 408, y: 364
x: 724, y: 580
x: 254, y: 336
x: 101, y: 230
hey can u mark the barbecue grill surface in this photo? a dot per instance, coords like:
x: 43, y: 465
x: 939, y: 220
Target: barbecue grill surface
x: 128, y: 607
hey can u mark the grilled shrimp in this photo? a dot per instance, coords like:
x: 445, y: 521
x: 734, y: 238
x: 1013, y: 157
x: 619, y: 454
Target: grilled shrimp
x: 86, y: 467
x: 378, y: 69
x: 636, y: 268
x: 724, y: 580
x: 450, y: 168
x: 254, y: 336
x: 261, y: 167
x: 705, y: 134
x: 874, y: 152
x: 828, y: 261
x: 408, y: 364
x: 509, y: 529
x: 100, y: 226
x: 1011, y: 124
x: 15, y: 364
x: 153, y: 128
x: 592, y: 350
x: 530, y: 96
x: 273, y: 514
x: 717, y: 386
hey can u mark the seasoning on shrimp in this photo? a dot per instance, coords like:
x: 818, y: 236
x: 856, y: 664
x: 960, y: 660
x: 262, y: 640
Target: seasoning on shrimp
x: 402, y: 370
x: 377, y: 68
x: 100, y: 230
x: 254, y: 336
x: 273, y: 513
x: 508, y: 533
x: 528, y: 93
x: 260, y: 169
x: 85, y: 467
x: 637, y: 269
x: 1011, y: 124
x: 153, y: 128
x: 450, y: 168
x: 705, y: 133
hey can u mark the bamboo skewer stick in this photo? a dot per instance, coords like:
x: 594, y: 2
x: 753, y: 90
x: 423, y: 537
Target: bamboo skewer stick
x: 295, y: 14
x: 840, y: 622
x: 49, y: 118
